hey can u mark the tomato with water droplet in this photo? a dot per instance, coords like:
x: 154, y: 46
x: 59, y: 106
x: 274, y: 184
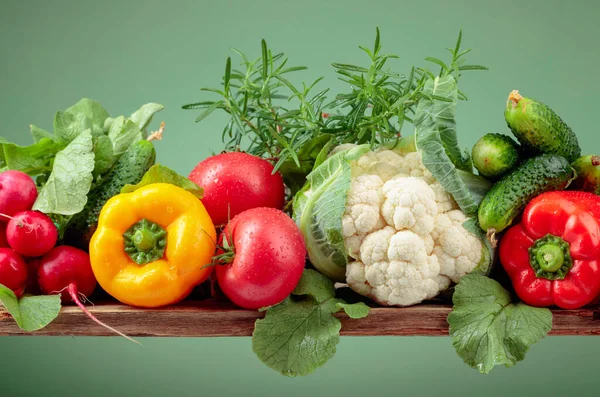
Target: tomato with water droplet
x: 261, y: 258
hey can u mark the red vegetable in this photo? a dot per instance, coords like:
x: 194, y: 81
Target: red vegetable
x: 234, y: 182
x: 31, y: 233
x: 68, y: 271
x: 3, y: 242
x: 13, y: 271
x: 32, y: 286
x: 261, y: 259
x: 553, y: 255
x: 17, y: 192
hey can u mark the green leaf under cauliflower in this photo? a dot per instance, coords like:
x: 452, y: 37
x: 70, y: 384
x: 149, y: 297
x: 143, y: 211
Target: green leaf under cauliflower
x: 487, y: 259
x: 487, y: 328
x: 300, y: 334
x: 433, y: 120
x: 318, y: 211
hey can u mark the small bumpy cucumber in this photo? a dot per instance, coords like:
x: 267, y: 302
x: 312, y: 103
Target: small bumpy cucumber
x: 509, y: 196
x: 539, y: 129
x: 588, y: 174
x: 129, y: 169
x: 494, y: 155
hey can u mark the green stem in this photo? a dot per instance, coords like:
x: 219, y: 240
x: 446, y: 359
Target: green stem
x: 550, y: 257
x: 145, y: 242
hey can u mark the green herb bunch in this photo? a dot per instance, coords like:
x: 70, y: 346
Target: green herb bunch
x: 294, y: 125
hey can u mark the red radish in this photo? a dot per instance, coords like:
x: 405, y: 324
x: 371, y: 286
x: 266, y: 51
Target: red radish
x: 17, y: 192
x: 13, y: 271
x: 32, y: 286
x: 234, y: 182
x: 3, y: 242
x: 31, y: 233
x: 68, y: 271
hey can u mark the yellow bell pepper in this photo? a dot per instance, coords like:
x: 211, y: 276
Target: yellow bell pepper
x: 151, y: 245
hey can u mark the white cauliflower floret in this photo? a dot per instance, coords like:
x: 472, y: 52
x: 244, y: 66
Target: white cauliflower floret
x: 409, y: 204
x: 396, y: 270
x: 403, y: 231
x: 458, y: 251
x: 417, y: 168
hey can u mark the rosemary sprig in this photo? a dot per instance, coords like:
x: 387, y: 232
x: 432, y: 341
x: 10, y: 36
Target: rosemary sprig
x: 381, y: 101
x: 287, y: 124
x: 275, y: 116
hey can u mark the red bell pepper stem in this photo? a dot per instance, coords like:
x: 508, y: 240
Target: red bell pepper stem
x: 550, y: 257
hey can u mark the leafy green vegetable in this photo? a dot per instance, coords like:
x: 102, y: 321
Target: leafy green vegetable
x: 318, y: 211
x: 143, y: 116
x: 84, y: 146
x: 123, y: 133
x: 300, y: 334
x: 65, y: 192
x: 487, y: 328
x: 160, y: 174
x: 104, y: 157
x: 91, y: 110
x: 432, y: 118
x: 31, y: 313
x: 487, y: 261
x: 68, y: 126
x: 353, y: 310
x: 293, y: 175
x: 33, y: 159
x: 38, y: 133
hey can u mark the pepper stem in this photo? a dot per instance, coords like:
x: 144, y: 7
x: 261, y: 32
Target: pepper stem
x: 145, y: 242
x: 550, y: 257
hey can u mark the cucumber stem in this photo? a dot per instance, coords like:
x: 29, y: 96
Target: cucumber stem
x: 514, y: 98
x: 491, y: 236
x: 157, y: 135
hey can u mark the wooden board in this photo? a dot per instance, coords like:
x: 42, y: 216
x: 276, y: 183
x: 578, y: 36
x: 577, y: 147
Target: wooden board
x: 211, y: 318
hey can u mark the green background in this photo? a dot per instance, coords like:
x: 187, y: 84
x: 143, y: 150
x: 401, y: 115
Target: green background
x: 126, y: 53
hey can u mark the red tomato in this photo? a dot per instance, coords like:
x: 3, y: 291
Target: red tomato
x: 269, y: 257
x: 236, y: 182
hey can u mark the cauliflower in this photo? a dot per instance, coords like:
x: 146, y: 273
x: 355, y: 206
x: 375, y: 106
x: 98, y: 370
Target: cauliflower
x: 379, y: 221
x: 403, y: 232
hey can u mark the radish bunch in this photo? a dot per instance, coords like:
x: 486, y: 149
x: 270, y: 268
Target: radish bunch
x: 25, y: 234
x: 29, y: 257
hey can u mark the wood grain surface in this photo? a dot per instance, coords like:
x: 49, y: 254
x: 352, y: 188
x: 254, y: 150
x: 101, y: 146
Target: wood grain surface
x: 209, y: 318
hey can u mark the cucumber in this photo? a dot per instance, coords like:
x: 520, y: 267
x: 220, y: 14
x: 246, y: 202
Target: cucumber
x: 128, y: 169
x: 495, y: 154
x: 539, y: 129
x: 588, y: 174
x: 509, y: 196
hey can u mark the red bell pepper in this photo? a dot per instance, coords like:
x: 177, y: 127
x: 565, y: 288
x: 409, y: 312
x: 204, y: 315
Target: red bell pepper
x: 553, y: 256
